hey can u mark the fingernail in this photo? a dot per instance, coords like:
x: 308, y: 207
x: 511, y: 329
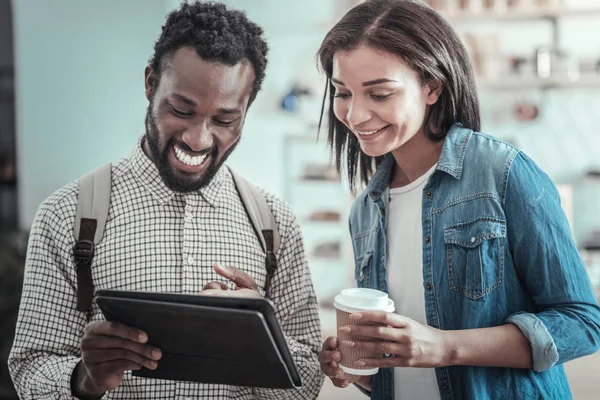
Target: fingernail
x: 142, y: 337
x: 355, y: 316
x: 359, y: 363
x: 156, y: 353
x: 348, y: 343
x: 345, y: 329
x: 153, y: 364
x: 337, y: 356
x: 339, y: 374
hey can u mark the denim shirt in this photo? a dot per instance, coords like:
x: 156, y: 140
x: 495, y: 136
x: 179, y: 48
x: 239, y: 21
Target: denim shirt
x: 497, y: 249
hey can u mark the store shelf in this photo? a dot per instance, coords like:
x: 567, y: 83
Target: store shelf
x: 518, y: 14
x: 511, y: 83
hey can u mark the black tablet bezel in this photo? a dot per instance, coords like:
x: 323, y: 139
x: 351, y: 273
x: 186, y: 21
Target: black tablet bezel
x: 261, y: 305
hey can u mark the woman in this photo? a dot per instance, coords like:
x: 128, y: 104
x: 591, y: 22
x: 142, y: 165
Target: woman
x: 464, y: 231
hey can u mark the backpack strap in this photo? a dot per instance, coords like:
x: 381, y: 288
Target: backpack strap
x: 263, y: 222
x: 92, y: 211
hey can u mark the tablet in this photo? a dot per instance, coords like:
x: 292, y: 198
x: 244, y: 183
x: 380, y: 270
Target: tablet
x: 207, y: 339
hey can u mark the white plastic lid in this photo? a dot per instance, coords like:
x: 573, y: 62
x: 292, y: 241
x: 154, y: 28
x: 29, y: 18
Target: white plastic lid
x: 362, y: 299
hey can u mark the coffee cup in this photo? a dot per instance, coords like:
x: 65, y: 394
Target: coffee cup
x: 351, y: 301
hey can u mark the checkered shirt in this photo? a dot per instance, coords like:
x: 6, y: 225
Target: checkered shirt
x: 160, y: 241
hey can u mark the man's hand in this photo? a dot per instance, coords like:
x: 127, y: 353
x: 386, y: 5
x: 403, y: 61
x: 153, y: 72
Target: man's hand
x: 245, y: 285
x: 108, y: 349
x: 329, y: 358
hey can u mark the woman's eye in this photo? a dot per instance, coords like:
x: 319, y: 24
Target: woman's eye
x: 380, y: 97
x: 341, y: 95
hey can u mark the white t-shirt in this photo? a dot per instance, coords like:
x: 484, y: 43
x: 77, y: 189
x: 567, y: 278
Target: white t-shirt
x: 405, y: 279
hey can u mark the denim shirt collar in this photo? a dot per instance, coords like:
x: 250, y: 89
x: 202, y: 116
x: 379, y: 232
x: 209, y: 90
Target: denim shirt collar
x: 451, y: 161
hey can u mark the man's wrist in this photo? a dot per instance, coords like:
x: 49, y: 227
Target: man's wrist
x: 80, y: 384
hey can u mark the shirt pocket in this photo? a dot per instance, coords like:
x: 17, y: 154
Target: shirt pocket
x: 475, y: 256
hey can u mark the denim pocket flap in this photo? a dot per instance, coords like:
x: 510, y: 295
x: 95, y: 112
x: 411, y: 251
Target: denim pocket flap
x: 472, y: 234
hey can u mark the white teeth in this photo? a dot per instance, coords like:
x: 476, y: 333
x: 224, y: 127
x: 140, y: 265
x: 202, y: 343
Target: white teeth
x: 187, y: 159
x: 367, y: 133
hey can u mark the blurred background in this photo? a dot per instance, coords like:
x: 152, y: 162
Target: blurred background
x: 72, y: 98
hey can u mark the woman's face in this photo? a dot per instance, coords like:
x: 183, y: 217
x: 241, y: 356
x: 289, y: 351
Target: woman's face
x: 379, y: 98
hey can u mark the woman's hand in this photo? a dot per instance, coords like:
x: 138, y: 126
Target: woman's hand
x: 329, y: 358
x: 402, y: 341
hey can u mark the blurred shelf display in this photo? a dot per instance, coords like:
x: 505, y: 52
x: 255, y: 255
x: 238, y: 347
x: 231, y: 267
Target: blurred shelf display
x: 546, y: 67
x: 517, y: 82
x: 518, y: 14
x: 315, y: 191
x: 324, y: 216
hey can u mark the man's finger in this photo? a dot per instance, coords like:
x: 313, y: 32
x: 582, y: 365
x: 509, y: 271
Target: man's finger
x: 102, y: 356
x: 92, y: 343
x: 237, y: 276
x: 215, y: 285
x: 327, y: 356
x: 112, y: 328
x: 341, y: 383
x: 118, y: 366
x: 331, y: 343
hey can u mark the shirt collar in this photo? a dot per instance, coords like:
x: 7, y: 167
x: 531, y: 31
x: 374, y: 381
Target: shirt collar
x: 147, y: 173
x: 451, y: 160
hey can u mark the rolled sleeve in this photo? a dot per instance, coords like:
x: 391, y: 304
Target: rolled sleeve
x: 543, y: 349
x: 67, y: 370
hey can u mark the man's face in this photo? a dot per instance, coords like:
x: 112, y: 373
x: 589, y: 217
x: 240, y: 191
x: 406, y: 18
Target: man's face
x: 195, y: 117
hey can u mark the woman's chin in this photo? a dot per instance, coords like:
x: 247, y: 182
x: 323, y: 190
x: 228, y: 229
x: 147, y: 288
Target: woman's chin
x: 371, y: 151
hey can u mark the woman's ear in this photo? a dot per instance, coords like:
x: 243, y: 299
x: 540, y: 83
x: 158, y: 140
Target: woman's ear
x: 433, y: 91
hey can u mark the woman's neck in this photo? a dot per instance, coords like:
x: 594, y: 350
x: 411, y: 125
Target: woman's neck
x: 414, y: 159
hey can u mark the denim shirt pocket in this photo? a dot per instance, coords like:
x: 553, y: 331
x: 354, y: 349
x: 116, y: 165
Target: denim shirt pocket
x: 475, y: 256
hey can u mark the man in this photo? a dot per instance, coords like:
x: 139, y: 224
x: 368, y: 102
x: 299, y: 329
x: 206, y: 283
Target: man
x: 174, y: 212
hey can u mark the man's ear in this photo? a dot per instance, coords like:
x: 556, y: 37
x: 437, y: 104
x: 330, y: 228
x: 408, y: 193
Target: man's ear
x: 150, y: 82
x: 434, y: 91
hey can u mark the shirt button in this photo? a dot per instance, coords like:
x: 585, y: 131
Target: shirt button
x: 428, y: 193
x: 446, y: 388
x: 427, y: 239
x: 429, y: 286
x: 473, y: 239
x: 190, y: 260
x: 189, y: 216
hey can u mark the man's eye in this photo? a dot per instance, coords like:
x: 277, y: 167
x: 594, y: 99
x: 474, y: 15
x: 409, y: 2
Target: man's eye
x: 180, y: 113
x: 224, y: 122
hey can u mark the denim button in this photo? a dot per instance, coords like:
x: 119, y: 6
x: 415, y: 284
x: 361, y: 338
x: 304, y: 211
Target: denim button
x: 445, y: 388
x: 429, y: 286
x: 427, y: 239
x: 428, y: 194
x: 473, y: 239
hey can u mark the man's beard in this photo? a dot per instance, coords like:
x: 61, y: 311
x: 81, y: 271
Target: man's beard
x: 160, y: 158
